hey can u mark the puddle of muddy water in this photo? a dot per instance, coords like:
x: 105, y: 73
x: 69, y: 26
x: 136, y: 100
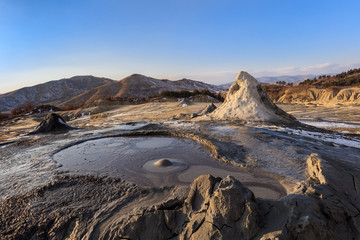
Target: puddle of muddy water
x: 134, y: 158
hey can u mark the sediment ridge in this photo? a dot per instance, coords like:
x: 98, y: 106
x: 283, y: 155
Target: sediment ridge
x: 324, y: 96
x: 213, y: 208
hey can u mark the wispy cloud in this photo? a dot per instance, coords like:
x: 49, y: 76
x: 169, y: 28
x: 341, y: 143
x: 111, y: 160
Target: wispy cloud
x: 35, y: 76
x: 324, y: 68
x: 228, y: 76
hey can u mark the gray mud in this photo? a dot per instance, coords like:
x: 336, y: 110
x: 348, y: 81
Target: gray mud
x: 88, y: 199
x: 281, y: 150
x: 133, y: 159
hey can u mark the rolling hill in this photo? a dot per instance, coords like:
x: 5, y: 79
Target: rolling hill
x: 85, y: 89
x: 138, y: 86
x: 52, y: 92
x: 326, y: 89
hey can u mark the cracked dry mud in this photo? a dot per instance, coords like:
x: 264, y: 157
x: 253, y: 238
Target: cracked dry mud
x: 86, y: 207
x: 66, y: 205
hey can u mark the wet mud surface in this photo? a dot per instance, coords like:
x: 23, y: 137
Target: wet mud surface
x: 80, y: 183
x: 133, y: 159
x: 129, y: 157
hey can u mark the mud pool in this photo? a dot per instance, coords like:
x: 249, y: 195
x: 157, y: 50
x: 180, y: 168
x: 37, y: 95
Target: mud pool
x: 135, y: 159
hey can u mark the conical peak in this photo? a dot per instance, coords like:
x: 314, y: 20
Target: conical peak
x: 246, y: 100
x: 244, y: 76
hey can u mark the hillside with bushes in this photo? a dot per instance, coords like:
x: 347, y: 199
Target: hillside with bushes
x: 341, y: 88
x: 344, y: 79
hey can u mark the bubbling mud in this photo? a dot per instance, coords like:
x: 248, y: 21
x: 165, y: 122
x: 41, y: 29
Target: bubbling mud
x: 165, y: 165
x: 156, y: 161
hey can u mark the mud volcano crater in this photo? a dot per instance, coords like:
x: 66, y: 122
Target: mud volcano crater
x: 156, y: 162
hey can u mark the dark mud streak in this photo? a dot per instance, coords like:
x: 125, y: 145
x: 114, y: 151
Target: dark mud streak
x: 354, y: 183
x: 96, y: 231
x: 219, y: 150
x: 124, y: 134
x: 198, y: 227
x: 270, y: 105
x: 210, y: 145
x: 7, y: 143
x: 41, y: 215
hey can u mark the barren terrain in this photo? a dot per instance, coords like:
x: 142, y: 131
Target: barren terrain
x: 102, y: 197
x: 44, y: 199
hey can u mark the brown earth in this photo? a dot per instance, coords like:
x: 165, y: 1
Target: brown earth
x: 213, y: 208
x: 59, y: 205
x: 313, y: 94
x: 92, y: 116
x: 136, y: 86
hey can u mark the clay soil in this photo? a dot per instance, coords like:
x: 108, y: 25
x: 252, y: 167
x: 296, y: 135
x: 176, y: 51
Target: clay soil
x: 42, y: 200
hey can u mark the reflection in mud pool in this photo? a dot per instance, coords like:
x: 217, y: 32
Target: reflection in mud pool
x: 139, y: 160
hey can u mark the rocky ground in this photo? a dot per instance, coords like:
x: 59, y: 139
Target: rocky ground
x: 291, y: 182
x: 342, y: 118
x: 40, y: 201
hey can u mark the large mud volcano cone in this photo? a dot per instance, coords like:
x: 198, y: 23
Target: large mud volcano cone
x: 52, y: 123
x: 246, y: 100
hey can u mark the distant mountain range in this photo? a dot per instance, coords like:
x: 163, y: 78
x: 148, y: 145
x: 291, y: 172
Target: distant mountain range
x: 85, y: 89
x: 139, y: 86
x: 288, y: 79
x: 53, y: 92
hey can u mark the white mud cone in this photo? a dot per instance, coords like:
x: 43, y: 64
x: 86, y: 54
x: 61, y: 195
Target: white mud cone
x: 246, y: 100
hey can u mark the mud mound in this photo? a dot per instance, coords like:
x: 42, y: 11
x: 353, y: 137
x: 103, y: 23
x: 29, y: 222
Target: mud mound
x: 213, y: 209
x: 163, y: 163
x: 208, y: 109
x: 321, y: 208
x: 52, y: 123
x: 328, y: 96
x: 246, y: 100
x: 184, y: 103
x: 87, y: 207
x: 64, y: 208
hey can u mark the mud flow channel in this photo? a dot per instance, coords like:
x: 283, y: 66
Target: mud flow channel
x: 157, y: 161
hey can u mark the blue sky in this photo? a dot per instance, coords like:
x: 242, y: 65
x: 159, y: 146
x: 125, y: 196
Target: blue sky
x: 42, y: 40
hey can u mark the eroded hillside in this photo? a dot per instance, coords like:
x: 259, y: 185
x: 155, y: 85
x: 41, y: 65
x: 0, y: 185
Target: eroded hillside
x: 343, y: 88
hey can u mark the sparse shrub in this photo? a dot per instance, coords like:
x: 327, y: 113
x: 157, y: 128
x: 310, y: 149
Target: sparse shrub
x: 3, y: 117
x: 338, y: 81
x: 109, y: 97
x: 45, y: 108
x: 281, y: 83
x: 308, y: 82
x: 72, y: 107
x: 22, y: 109
x: 186, y: 94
